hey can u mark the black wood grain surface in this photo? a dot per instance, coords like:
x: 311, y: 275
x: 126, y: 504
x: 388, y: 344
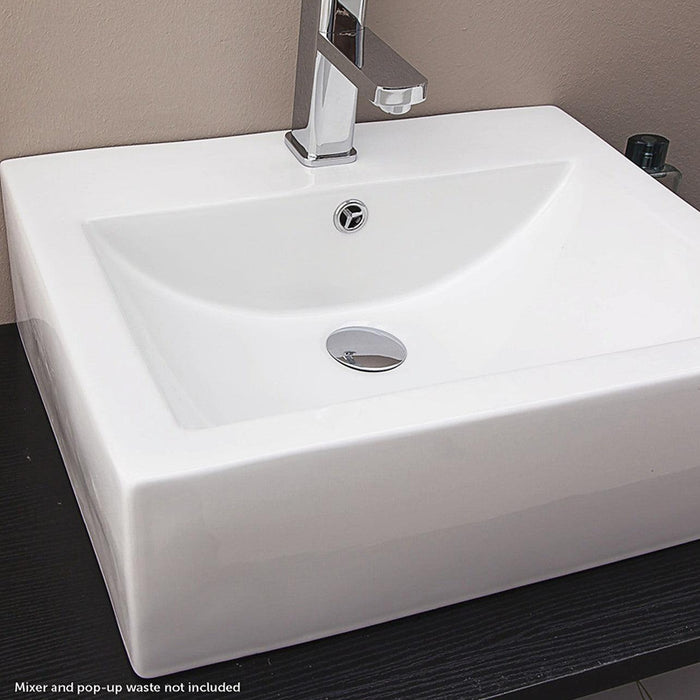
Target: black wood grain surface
x: 560, y: 639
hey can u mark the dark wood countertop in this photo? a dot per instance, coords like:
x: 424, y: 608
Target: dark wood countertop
x: 559, y: 639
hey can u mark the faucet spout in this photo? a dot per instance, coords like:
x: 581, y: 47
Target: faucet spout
x: 378, y: 72
x: 340, y: 58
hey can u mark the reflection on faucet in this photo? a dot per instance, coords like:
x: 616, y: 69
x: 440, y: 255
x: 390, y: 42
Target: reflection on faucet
x: 338, y: 59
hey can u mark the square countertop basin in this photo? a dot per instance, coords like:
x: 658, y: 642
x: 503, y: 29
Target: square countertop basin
x: 242, y: 489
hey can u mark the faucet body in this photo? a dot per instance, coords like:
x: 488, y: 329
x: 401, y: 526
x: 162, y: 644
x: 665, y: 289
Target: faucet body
x: 339, y: 58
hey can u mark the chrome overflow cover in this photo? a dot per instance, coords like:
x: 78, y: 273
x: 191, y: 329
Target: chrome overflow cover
x: 350, y: 216
x: 366, y: 349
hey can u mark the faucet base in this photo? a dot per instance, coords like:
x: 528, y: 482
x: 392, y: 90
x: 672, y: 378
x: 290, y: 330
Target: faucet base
x: 301, y: 154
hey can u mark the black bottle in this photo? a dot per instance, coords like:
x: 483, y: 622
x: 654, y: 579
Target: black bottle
x: 649, y: 151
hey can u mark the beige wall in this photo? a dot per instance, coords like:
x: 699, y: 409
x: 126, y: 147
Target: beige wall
x: 84, y: 73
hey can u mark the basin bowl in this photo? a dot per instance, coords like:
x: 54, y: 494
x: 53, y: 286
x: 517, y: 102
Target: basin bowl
x: 243, y: 490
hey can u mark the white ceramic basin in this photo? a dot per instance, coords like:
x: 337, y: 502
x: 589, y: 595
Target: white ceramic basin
x: 243, y: 490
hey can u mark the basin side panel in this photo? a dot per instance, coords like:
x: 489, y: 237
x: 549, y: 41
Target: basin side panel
x: 99, y: 493
x: 240, y: 560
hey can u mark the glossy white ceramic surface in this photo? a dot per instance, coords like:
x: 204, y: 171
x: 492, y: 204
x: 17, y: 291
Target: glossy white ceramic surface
x: 243, y: 490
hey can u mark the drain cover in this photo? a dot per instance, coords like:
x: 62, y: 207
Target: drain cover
x: 366, y: 349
